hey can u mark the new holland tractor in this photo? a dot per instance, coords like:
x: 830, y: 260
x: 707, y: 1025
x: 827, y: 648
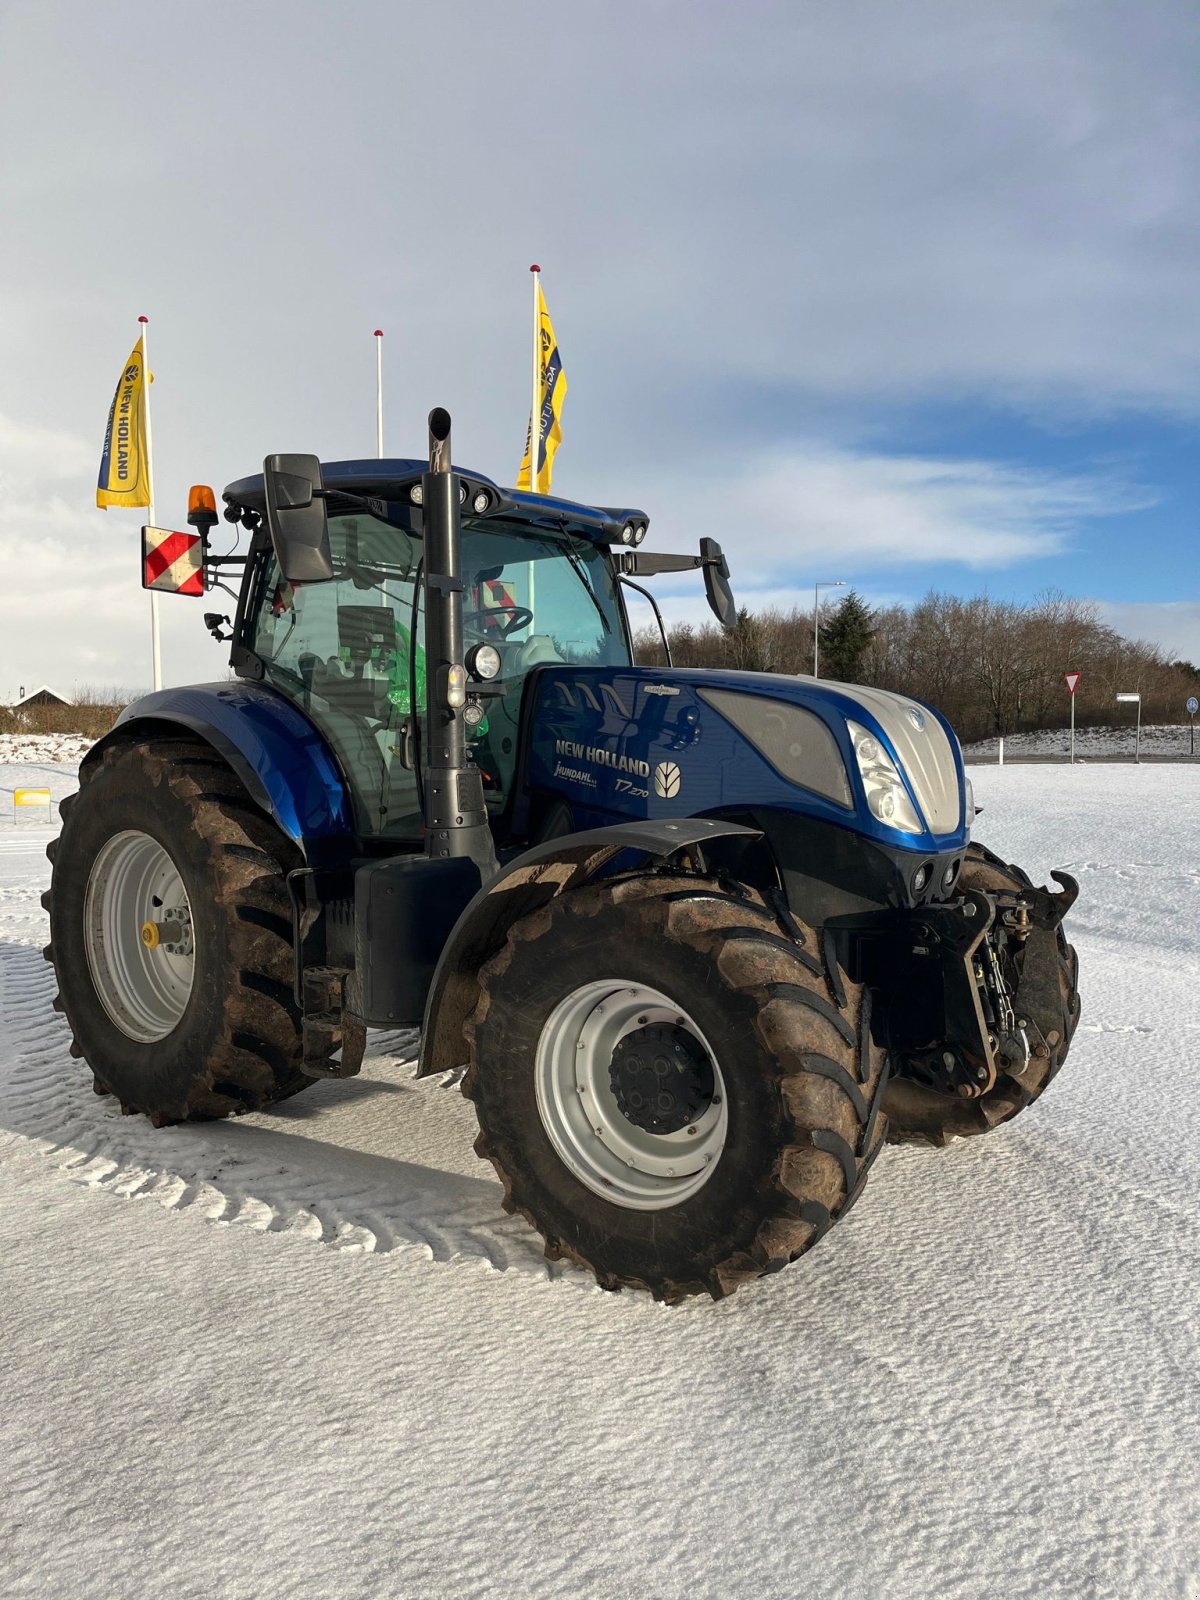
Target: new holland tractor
x: 702, y: 940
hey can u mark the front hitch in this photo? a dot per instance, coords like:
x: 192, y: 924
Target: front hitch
x: 966, y: 982
x: 940, y: 1021
x: 1046, y: 909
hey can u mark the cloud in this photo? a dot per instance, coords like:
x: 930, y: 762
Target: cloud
x: 789, y: 513
x: 742, y: 210
x: 1172, y: 624
x: 70, y: 605
x: 71, y: 610
x: 761, y: 224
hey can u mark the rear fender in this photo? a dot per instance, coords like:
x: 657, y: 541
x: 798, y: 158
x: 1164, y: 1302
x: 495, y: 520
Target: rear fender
x: 285, y: 764
x: 527, y: 883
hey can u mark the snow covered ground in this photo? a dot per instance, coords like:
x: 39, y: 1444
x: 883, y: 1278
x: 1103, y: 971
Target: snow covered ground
x: 1091, y: 744
x: 305, y: 1354
x: 43, y: 747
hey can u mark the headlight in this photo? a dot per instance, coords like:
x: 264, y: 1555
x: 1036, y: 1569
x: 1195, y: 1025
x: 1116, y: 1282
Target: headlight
x: 968, y: 802
x: 483, y: 661
x: 887, y: 798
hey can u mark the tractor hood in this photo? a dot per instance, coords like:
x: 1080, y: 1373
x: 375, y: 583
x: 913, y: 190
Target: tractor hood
x: 616, y: 741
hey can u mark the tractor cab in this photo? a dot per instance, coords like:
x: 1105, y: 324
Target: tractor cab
x: 352, y: 651
x: 540, y: 586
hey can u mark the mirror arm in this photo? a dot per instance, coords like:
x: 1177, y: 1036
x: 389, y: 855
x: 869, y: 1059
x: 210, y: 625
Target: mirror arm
x: 648, y: 564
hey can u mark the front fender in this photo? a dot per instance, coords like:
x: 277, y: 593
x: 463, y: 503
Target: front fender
x: 525, y: 884
x: 278, y: 754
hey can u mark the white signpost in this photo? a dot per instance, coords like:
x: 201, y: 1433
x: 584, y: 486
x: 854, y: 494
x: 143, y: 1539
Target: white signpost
x: 1071, y: 679
x: 1131, y: 699
x: 1193, y: 705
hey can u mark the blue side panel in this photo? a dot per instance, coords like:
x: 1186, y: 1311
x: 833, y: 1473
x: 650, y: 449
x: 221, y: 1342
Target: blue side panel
x: 619, y: 743
x: 271, y: 745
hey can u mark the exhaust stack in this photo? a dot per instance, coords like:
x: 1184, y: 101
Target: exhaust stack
x: 455, y: 812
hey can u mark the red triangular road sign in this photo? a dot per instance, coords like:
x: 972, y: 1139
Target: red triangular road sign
x: 1071, y: 679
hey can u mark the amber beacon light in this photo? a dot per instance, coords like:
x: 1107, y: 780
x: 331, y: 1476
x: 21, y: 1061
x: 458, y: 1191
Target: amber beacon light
x: 202, y: 506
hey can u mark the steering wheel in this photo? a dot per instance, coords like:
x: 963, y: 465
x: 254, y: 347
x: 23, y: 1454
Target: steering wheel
x: 521, y: 617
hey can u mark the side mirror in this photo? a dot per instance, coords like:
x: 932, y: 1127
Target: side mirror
x: 296, y: 518
x: 716, y: 583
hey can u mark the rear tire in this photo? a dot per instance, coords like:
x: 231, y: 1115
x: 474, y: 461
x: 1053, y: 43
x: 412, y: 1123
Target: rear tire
x: 920, y: 1115
x: 790, y: 1047
x: 230, y: 1042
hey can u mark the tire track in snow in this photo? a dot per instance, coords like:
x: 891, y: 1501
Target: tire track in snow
x: 254, y: 1172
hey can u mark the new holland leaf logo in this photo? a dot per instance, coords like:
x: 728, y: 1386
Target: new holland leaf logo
x: 667, y: 780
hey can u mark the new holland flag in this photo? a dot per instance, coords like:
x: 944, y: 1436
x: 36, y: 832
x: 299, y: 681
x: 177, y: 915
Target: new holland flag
x: 553, y: 388
x: 124, y: 467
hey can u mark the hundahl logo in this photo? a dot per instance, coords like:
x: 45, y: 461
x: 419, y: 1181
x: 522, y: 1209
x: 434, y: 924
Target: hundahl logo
x: 667, y: 780
x: 917, y: 718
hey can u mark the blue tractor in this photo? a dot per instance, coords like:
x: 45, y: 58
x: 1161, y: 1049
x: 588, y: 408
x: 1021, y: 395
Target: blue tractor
x: 702, y: 940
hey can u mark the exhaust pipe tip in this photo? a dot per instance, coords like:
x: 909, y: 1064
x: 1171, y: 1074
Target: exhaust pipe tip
x: 439, y: 440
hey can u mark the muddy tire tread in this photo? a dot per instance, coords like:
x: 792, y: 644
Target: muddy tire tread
x: 804, y: 1027
x: 257, y: 1057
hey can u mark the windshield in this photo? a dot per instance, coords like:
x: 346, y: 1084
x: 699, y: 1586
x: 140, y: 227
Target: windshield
x: 351, y: 652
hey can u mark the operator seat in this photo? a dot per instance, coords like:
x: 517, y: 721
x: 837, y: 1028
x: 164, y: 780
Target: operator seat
x: 351, y: 692
x: 537, y: 651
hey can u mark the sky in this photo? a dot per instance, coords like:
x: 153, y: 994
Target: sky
x: 898, y: 292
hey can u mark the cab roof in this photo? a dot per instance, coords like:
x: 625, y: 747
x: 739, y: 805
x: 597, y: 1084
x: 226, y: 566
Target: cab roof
x: 392, y: 479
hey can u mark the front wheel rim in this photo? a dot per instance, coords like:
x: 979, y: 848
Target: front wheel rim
x: 595, y: 1140
x: 137, y: 923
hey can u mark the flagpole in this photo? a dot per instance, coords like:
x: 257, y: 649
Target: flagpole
x: 535, y: 411
x: 379, y: 393
x: 155, y: 640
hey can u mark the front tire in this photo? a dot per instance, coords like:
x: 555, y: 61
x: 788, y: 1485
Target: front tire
x: 771, y: 1110
x: 170, y: 930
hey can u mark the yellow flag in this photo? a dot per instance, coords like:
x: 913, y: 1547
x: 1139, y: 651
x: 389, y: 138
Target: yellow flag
x: 552, y: 389
x: 124, y: 465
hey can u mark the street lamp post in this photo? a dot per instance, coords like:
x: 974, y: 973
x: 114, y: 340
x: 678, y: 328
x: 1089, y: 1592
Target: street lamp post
x: 835, y: 583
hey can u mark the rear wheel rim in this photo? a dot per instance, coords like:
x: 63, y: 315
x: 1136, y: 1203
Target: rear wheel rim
x: 580, y: 1111
x: 137, y: 923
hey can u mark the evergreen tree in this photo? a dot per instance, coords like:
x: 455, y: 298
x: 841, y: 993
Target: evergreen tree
x: 845, y: 640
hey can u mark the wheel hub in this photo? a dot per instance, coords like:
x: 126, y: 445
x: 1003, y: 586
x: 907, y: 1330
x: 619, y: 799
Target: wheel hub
x: 138, y: 936
x: 661, y: 1078
x: 635, y: 1119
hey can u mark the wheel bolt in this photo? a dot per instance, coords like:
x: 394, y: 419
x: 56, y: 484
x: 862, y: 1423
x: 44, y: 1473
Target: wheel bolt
x: 691, y: 1130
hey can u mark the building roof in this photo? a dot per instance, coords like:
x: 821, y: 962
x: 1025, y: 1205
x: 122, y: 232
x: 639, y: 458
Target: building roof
x: 45, y: 689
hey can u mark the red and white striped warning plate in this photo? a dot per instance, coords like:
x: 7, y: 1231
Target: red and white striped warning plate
x: 172, y: 561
